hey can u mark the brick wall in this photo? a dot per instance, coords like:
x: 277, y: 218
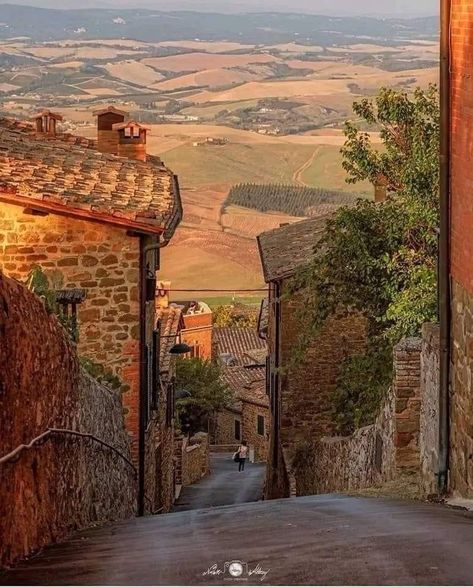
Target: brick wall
x: 66, y: 483
x: 198, y: 332
x: 407, y: 388
x: 100, y: 259
x: 461, y: 453
x: 257, y: 442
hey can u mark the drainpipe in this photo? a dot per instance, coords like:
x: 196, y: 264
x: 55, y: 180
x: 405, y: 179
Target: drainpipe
x: 144, y: 250
x: 444, y: 249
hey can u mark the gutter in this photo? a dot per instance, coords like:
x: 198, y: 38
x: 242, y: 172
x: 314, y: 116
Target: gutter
x: 169, y: 230
x: 444, y: 285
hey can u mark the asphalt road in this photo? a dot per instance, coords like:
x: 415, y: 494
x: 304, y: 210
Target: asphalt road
x: 323, y: 540
x: 224, y: 486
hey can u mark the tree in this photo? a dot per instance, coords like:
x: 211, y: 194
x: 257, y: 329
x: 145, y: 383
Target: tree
x: 208, y: 393
x: 238, y: 315
x: 380, y: 259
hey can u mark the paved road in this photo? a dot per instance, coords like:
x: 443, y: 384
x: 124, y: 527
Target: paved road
x: 324, y: 540
x: 225, y: 485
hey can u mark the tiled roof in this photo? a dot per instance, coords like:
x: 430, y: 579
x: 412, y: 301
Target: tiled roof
x: 171, y: 322
x: 286, y: 249
x: 238, y: 342
x: 66, y: 174
x: 255, y: 393
x: 247, y: 383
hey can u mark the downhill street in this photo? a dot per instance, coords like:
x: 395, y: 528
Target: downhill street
x: 224, y: 486
x: 318, y: 540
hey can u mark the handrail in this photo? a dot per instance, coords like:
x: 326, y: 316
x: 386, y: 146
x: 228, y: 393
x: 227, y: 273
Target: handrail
x: 42, y: 438
x: 51, y: 431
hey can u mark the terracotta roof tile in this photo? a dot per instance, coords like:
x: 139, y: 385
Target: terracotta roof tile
x: 247, y: 383
x: 286, y: 249
x: 238, y: 342
x: 70, y: 172
x: 171, y: 323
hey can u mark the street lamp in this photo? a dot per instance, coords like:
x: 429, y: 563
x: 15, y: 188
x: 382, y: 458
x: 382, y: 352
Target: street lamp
x: 181, y: 348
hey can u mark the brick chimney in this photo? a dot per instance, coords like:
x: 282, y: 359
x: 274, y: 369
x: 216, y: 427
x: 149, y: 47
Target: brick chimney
x: 380, y: 188
x: 131, y: 140
x: 107, y: 138
x: 46, y: 122
x: 163, y: 294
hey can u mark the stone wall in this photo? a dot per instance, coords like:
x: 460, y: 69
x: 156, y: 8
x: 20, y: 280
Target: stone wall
x: 159, y: 459
x: 306, y: 390
x: 195, y: 458
x: 225, y: 427
x: 105, y: 262
x: 67, y: 482
x: 403, y: 439
x: 461, y: 220
x: 461, y: 406
x: 358, y: 461
x: 256, y: 441
x: 429, y: 411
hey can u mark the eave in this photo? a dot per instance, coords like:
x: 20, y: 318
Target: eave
x: 87, y: 214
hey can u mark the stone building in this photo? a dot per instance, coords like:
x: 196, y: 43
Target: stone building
x: 93, y: 214
x: 243, y: 356
x: 300, y: 392
x: 459, y: 222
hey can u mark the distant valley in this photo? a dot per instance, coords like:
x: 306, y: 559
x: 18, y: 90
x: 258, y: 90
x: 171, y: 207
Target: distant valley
x: 248, y: 99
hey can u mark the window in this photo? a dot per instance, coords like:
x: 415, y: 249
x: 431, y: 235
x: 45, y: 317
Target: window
x: 195, y: 351
x: 260, y: 425
x: 237, y: 430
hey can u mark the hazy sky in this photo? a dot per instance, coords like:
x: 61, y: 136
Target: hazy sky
x: 340, y: 7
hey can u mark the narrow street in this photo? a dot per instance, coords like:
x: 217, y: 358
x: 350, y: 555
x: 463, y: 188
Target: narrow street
x: 224, y: 486
x: 319, y: 540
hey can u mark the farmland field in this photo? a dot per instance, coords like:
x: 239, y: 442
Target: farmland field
x: 248, y: 105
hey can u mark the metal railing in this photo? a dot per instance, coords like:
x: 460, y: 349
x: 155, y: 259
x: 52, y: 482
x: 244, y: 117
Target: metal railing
x: 47, y: 434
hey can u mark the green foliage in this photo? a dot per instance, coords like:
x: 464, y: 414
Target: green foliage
x: 290, y: 199
x: 361, y: 387
x: 39, y: 283
x: 238, y: 315
x: 100, y: 373
x: 208, y: 393
x: 380, y: 259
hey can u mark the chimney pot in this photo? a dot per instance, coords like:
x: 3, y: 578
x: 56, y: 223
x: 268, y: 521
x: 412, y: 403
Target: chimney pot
x: 46, y: 122
x: 131, y: 140
x: 163, y: 294
x: 107, y: 138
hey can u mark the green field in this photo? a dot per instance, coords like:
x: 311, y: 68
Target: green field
x: 259, y: 163
x: 326, y: 171
x: 229, y: 299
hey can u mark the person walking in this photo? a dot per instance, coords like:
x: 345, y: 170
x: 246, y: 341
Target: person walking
x: 242, y: 455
